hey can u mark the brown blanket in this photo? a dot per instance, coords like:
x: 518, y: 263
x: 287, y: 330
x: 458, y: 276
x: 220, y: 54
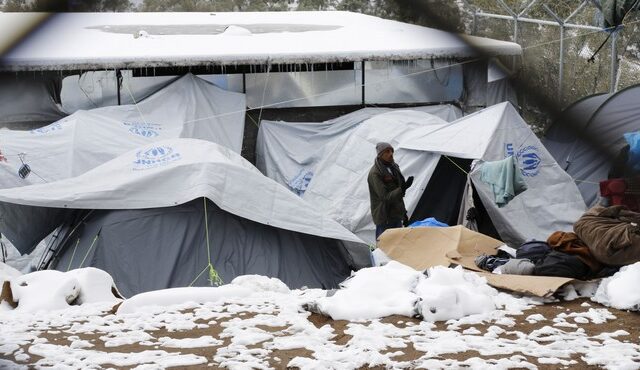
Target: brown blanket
x: 570, y: 243
x: 611, y: 233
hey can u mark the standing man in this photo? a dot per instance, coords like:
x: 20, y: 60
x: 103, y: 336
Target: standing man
x: 387, y: 187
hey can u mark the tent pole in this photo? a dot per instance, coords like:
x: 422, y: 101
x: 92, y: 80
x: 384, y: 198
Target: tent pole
x: 244, y: 83
x: 119, y: 83
x: 614, y: 62
x: 363, y: 99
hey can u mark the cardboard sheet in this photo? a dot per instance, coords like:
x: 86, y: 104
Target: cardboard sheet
x: 426, y: 247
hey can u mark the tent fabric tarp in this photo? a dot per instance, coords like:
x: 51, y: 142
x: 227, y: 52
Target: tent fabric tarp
x: 36, y: 105
x: 339, y: 184
x: 284, y: 150
x: 425, y: 247
x: 604, y: 118
x: 158, y: 248
x: 85, y: 41
x: 170, y: 173
x: 189, y: 107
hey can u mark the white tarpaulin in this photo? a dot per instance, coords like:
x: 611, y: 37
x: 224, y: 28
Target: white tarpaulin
x: 176, y: 171
x: 288, y: 152
x: 551, y: 202
x: 189, y: 108
x: 339, y: 183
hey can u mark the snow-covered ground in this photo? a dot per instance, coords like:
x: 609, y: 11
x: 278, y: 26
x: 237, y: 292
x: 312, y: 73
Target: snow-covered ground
x: 257, y: 322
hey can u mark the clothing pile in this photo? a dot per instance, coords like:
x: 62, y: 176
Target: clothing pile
x: 604, y: 239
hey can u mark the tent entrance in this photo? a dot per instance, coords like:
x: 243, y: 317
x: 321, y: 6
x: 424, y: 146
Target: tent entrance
x: 444, y: 196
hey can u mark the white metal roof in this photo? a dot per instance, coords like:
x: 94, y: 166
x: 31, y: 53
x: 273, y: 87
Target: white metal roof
x: 119, y: 40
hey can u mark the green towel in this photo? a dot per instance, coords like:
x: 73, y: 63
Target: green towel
x: 505, y: 179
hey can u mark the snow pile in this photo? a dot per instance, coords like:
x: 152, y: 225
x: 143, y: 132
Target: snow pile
x: 620, y: 290
x: 259, y: 283
x: 95, y: 285
x: 241, y: 286
x: 234, y: 30
x: 452, y: 294
x: 54, y: 290
x: 396, y: 289
x: 374, y: 292
x: 150, y: 301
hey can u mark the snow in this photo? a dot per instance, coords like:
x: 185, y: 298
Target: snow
x: 95, y: 285
x: 620, y: 290
x: 395, y: 289
x: 105, y: 40
x: 55, y: 290
x: 257, y: 315
x: 374, y: 292
x: 150, y: 301
x: 44, y: 291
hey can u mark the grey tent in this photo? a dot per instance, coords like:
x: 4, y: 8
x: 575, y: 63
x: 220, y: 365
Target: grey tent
x: 175, y: 213
x: 589, y: 134
x: 36, y: 105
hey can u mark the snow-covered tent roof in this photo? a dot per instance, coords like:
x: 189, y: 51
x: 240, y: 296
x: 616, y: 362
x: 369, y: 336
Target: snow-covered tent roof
x: 338, y: 186
x: 155, y: 178
x: 130, y: 40
x: 189, y: 107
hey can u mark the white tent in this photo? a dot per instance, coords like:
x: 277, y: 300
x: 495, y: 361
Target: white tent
x: 189, y: 107
x: 162, y: 177
x: 339, y: 184
x: 306, y: 143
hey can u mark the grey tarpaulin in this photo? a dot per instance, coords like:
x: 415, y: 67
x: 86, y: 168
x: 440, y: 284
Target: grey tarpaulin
x: 160, y: 248
x: 36, y: 105
x: 605, y: 118
x: 144, y: 227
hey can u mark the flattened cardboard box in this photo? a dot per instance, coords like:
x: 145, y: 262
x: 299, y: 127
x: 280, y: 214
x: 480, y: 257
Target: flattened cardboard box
x: 424, y: 247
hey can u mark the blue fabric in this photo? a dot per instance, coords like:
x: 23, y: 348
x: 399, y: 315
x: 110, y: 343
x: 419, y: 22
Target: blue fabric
x: 428, y: 222
x: 633, y: 139
x: 301, y: 181
x: 504, y: 178
x: 381, y: 228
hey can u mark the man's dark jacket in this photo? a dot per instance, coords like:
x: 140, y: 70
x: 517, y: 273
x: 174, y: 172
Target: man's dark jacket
x: 385, y: 192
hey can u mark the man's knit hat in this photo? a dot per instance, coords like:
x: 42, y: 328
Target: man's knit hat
x: 382, y: 146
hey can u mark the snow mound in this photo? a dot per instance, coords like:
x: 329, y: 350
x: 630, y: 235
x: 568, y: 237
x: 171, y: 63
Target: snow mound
x: 259, y: 283
x: 54, y: 290
x: 373, y: 292
x: 620, y: 290
x: 95, y: 285
x: 236, y: 31
x: 169, y: 297
x: 396, y: 289
x: 453, y: 293
x: 44, y: 291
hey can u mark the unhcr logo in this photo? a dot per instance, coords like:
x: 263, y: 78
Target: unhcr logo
x: 155, y: 157
x: 148, y: 130
x: 47, y: 129
x: 529, y: 160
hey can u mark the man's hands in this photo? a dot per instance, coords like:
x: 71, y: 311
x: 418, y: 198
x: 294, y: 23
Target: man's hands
x: 407, y: 184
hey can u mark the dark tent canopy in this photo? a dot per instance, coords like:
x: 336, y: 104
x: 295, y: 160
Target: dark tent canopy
x: 157, y: 248
x: 590, y: 133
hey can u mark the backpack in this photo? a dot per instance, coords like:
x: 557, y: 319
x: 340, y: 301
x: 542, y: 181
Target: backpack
x: 535, y: 251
